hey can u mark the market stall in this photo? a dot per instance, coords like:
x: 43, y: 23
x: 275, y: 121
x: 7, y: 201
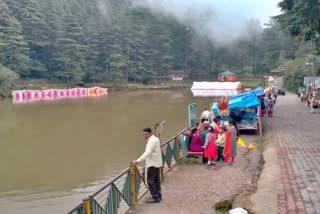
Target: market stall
x: 244, y: 109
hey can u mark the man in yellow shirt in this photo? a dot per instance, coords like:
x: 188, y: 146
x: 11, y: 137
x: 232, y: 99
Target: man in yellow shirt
x: 153, y: 158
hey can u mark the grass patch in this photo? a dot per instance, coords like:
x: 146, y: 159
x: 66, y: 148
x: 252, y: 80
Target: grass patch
x: 223, y: 206
x: 250, y: 83
x: 189, y: 161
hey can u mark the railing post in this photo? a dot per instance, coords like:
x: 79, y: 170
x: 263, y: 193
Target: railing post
x: 133, y: 186
x: 178, y: 148
x: 161, y: 174
x: 87, y: 205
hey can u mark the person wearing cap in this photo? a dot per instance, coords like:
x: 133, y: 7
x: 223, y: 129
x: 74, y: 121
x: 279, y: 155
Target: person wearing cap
x: 153, y: 158
x: 205, y: 114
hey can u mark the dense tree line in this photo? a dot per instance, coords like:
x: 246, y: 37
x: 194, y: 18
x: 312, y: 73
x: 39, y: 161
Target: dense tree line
x: 77, y: 41
x: 300, y: 19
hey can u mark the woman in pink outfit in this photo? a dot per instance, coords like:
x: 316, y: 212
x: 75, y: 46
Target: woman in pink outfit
x: 195, y: 142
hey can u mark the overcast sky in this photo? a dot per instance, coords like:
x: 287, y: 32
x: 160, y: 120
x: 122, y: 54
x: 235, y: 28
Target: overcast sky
x: 260, y: 9
x: 223, y: 21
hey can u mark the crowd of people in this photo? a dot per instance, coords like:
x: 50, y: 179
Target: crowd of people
x: 309, y: 99
x: 268, y: 100
x: 217, y: 140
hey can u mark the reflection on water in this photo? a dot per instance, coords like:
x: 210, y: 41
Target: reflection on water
x: 55, y: 153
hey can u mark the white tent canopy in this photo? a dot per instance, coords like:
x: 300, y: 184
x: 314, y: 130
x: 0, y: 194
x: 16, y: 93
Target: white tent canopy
x: 215, y: 89
x: 214, y: 93
x: 216, y: 86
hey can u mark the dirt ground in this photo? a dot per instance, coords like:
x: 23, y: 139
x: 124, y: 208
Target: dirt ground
x: 195, y: 188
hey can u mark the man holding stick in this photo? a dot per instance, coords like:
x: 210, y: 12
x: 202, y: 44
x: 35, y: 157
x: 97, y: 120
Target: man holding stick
x: 153, y: 158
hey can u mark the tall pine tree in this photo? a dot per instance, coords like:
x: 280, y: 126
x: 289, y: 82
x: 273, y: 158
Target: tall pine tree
x: 71, y: 52
x: 35, y: 30
x: 14, y: 50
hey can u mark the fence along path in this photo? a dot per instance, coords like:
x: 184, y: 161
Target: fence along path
x: 125, y: 190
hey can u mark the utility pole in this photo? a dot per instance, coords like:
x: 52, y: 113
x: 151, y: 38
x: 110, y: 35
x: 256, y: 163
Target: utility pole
x: 186, y: 61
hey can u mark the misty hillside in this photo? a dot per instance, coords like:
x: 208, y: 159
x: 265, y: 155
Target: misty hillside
x: 79, y: 41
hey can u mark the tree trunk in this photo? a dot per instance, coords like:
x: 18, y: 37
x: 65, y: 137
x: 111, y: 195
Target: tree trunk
x: 128, y: 60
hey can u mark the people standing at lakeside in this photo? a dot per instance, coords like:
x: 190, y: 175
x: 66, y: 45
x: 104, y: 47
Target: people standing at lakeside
x: 210, y: 149
x: 202, y: 125
x: 215, y: 124
x: 195, y: 142
x: 203, y: 133
x: 153, y: 158
x: 220, y: 143
x: 205, y: 115
x: 230, y: 148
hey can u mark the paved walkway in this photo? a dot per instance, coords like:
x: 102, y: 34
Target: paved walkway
x: 296, y: 136
x: 194, y: 188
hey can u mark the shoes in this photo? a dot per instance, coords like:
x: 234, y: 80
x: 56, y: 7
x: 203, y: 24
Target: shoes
x: 150, y: 198
x: 153, y: 200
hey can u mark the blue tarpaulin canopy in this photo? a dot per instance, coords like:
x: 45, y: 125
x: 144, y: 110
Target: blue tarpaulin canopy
x: 244, y: 100
x: 258, y: 92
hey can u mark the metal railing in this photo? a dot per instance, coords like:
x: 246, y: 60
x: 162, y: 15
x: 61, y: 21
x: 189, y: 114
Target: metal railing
x: 125, y: 190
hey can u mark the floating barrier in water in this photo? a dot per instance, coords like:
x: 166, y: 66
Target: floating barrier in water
x: 24, y: 96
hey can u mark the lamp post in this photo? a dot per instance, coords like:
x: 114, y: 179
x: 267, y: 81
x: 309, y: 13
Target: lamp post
x: 312, y: 66
x: 311, y: 77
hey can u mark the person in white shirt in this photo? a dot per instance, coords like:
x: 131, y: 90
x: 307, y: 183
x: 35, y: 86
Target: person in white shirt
x: 153, y: 158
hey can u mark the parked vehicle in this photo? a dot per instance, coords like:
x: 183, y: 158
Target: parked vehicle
x: 271, y: 79
x: 281, y: 91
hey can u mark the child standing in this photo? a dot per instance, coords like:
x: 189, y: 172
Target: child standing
x: 220, y: 143
x: 210, y: 150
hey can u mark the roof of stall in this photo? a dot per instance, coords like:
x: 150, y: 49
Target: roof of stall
x: 244, y: 100
x: 228, y: 73
x: 214, y: 93
x: 216, y: 85
x: 258, y: 91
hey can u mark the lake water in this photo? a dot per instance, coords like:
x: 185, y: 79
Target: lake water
x: 55, y: 153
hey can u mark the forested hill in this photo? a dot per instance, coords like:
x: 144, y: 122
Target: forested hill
x: 109, y: 40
